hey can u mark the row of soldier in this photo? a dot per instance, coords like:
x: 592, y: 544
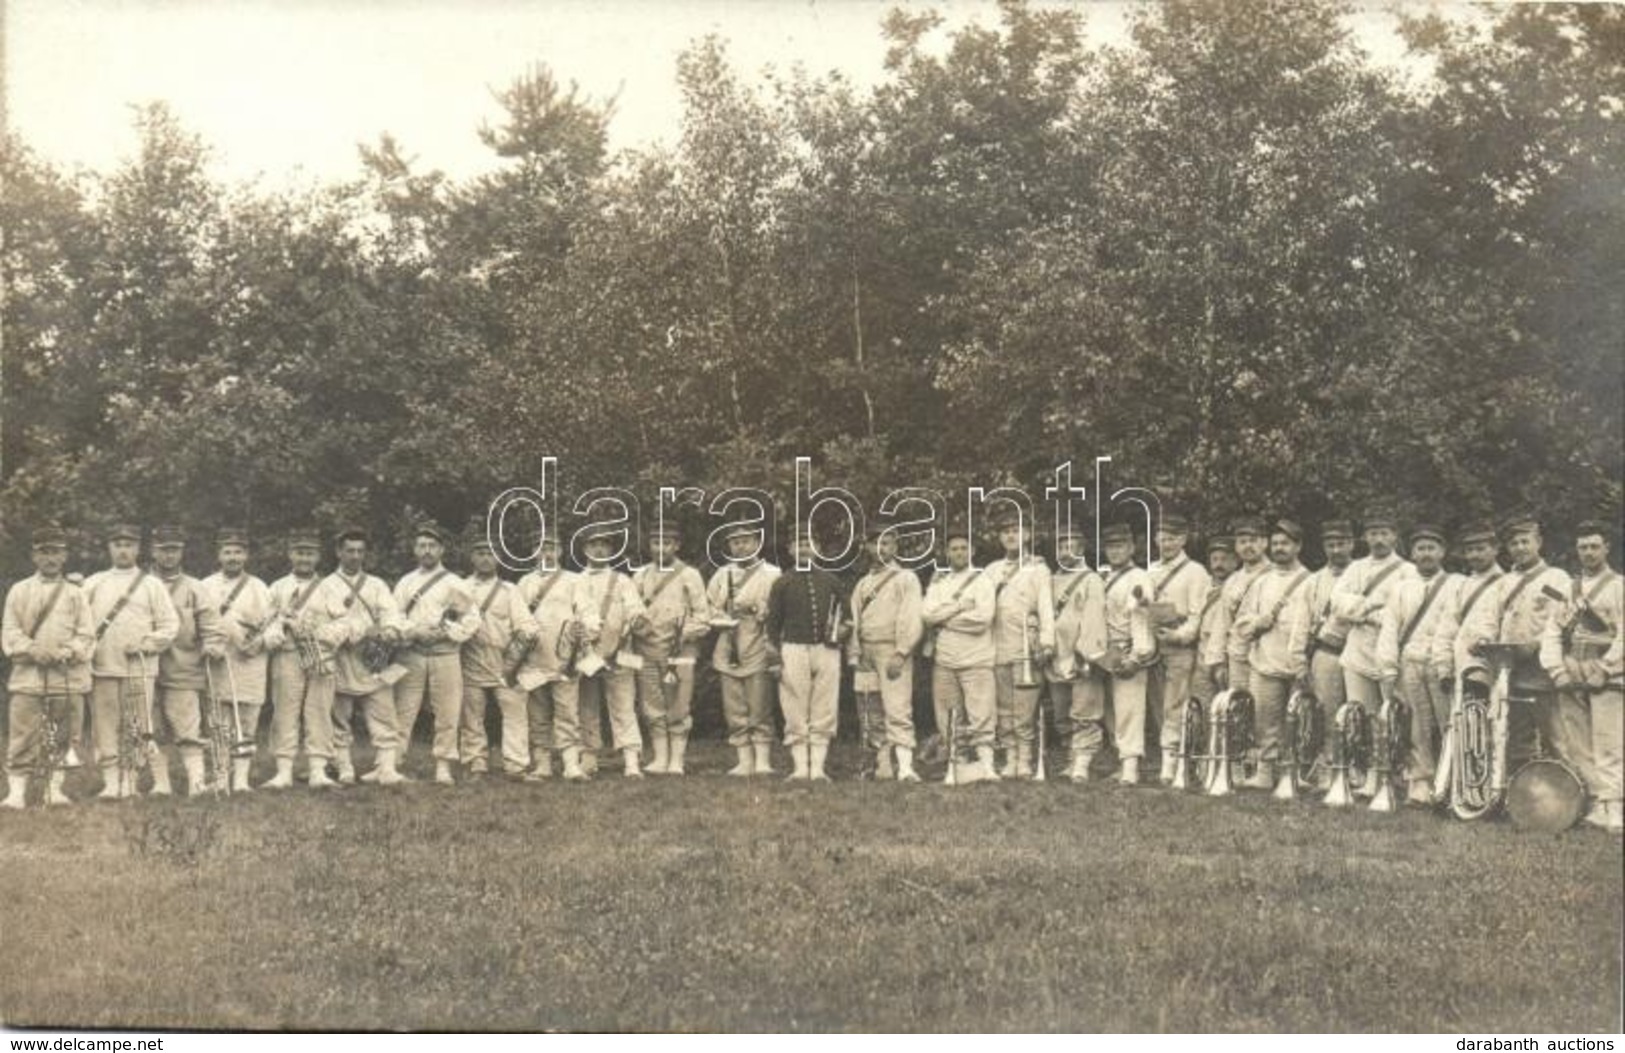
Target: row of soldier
x: 1119, y: 650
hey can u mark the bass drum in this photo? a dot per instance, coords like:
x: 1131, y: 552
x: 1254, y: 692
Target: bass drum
x: 1546, y: 795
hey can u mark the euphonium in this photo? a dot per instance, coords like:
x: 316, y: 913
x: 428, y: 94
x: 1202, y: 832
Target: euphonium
x: 1391, y: 740
x: 1301, y: 735
x: 313, y: 658
x: 1351, y: 741
x: 1190, y: 734
x: 1472, y: 776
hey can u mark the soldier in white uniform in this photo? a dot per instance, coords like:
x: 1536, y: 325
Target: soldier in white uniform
x: 483, y: 660
x: 678, y: 618
x: 369, y: 634
x: 1077, y: 681
x: 1221, y: 564
x: 886, y: 630
x: 544, y: 664
x: 48, y: 634
x: 738, y: 592
x: 182, y: 683
x: 303, y: 630
x: 1226, y: 651
x: 135, y: 623
x: 1417, y: 613
x: 1179, y: 589
x: 1582, y: 650
x: 1525, y: 604
x: 242, y: 602
x: 438, y: 616
x: 1023, y: 638
x: 1130, y: 646
x: 958, y: 615
x: 608, y: 611
x: 1327, y: 632
x: 1275, y: 619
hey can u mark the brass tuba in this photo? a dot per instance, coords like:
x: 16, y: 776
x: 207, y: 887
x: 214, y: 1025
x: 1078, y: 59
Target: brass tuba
x: 1471, y: 779
x: 1351, y: 746
x: 1302, y: 732
x: 1391, y: 742
x: 1231, y: 737
x: 1191, y: 729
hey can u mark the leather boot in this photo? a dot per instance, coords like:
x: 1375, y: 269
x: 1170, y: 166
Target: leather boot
x: 662, y: 758
x: 197, y: 780
x: 746, y: 764
x: 239, y: 774
x: 284, y: 773
x: 386, y: 772
x: 1079, y: 772
x: 679, y: 747
x: 1263, y: 777
x: 160, y: 774
x: 629, y: 762
x: 763, y: 758
x: 53, y: 790
x: 1130, y: 775
x: 905, y: 765
x: 17, y: 792
x: 820, y: 752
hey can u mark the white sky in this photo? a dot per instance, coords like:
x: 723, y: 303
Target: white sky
x: 285, y: 89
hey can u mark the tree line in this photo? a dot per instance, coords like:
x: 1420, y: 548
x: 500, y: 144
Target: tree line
x: 1256, y: 267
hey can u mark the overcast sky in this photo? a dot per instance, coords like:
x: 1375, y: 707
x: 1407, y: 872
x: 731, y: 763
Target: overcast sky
x: 287, y: 88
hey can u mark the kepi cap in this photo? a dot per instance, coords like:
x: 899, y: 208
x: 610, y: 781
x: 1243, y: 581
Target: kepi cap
x: 50, y: 535
x: 168, y: 536
x: 1337, y: 530
x: 231, y: 536
x: 1427, y: 532
x: 124, y: 532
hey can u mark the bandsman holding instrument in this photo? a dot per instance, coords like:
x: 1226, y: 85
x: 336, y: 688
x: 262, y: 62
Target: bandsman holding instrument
x: 438, y: 616
x: 806, y: 627
x: 1327, y: 632
x: 1417, y: 615
x: 243, y: 604
x: 1221, y: 563
x: 886, y: 630
x: 1274, y: 617
x: 366, y: 671
x: 1179, y: 593
x: 1130, y: 646
x: 48, y: 633
x: 1525, y: 605
x: 738, y: 595
x: 1472, y: 618
x: 542, y: 663
x: 483, y: 659
x: 958, y: 613
x: 1582, y: 649
x: 1023, y: 641
x: 1361, y: 601
x: 1226, y: 653
x: 1077, y: 681
x: 303, y: 630
x: 608, y: 611
x: 678, y: 618
x: 182, y: 676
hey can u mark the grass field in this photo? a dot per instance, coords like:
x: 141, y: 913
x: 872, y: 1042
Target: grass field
x: 715, y: 903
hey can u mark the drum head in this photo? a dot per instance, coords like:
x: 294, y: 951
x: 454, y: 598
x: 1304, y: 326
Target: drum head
x: 1545, y: 795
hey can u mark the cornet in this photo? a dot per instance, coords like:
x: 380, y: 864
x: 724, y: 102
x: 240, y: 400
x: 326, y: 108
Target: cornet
x: 1302, y: 732
x: 1351, y: 743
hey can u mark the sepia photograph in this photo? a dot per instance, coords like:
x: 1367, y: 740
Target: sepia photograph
x: 812, y: 516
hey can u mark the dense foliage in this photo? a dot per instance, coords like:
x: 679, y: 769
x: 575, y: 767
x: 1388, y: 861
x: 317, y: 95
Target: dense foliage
x: 1255, y: 267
